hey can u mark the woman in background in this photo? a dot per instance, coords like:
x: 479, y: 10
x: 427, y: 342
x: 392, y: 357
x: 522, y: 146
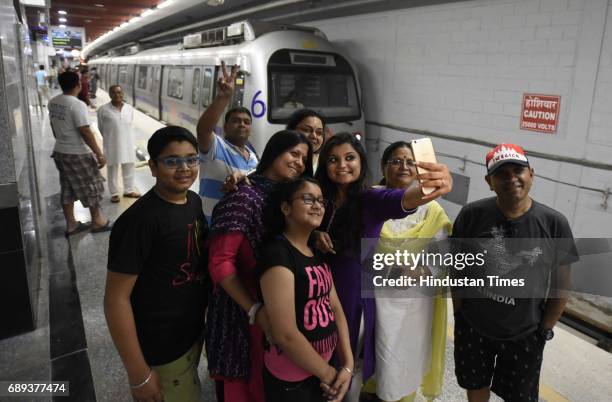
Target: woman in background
x: 312, y: 125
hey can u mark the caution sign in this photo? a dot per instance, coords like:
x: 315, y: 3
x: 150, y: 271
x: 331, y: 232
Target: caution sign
x: 540, y: 112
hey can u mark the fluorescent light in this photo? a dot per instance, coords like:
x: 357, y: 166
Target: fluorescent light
x: 165, y: 4
x: 62, y: 20
x: 134, y: 20
x: 148, y: 12
x: 123, y: 25
x: 62, y: 12
x: 98, y: 5
x: 62, y: 26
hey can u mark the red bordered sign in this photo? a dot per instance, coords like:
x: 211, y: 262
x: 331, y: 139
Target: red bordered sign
x: 540, y: 113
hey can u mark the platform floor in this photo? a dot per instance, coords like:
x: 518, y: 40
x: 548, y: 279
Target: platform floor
x: 72, y: 341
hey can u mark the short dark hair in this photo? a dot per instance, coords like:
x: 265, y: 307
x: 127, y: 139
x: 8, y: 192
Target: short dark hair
x: 164, y: 136
x: 300, y: 114
x: 112, y: 88
x: 41, y: 67
x: 68, y: 80
x: 281, y: 142
x: 237, y: 109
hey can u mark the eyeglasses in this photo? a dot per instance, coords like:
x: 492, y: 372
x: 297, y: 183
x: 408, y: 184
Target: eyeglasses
x: 401, y: 162
x: 310, y: 199
x: 310, y: 130
x: 174, y: 162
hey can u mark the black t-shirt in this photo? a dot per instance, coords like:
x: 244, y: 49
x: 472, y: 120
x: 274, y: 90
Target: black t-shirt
x: 529, y: 248
x: 313, y: 283
x: 164, y: 244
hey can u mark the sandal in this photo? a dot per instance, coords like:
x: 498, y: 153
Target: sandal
x: 133, y: 194
x: 115, y: 198
x: 81, y: 227
x: 106, y: 228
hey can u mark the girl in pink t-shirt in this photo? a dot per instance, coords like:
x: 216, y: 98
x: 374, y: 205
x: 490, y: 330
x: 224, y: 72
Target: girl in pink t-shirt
x: 306, y: 318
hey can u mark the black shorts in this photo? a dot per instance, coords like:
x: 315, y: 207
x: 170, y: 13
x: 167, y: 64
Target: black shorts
x: 510, y: 368
x: 277, y: 390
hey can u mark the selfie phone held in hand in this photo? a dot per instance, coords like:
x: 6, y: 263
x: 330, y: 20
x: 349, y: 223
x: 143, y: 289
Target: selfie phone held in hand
x: 423, y: 151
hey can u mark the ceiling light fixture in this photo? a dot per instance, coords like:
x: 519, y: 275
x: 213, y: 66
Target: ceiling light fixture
x: 98, y: 5
x: 62, y: 12
x: 214, y: 3
x: 165, y: 4
x: 147, y: 12
x: 62, y: 26
x: 62, y: 19
x: 134, y: 20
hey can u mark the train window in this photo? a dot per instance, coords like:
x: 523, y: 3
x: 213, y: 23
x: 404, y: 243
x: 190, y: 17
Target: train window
x: 142, y: 77
x: 195, y: 87
x: 207, y: 86
x: 176, y: 78
x: 331, y: 92
x: 122, y: 75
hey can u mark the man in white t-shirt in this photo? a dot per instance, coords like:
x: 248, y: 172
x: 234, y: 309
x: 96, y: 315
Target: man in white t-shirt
x: 115, y: 121
x: 42, y: 84
x: 79, y: 168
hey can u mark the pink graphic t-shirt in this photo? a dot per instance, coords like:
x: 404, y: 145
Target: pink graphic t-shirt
x: 314, y: 316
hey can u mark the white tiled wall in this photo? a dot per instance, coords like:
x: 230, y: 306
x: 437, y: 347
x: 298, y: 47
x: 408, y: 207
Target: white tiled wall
x: 461, y: 68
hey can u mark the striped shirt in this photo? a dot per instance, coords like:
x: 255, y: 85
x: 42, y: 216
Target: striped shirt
x: 221, y: 160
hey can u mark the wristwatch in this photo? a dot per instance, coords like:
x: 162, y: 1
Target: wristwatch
x: 547, y: 333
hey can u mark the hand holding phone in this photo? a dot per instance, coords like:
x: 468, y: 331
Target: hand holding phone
x: 423, y: 151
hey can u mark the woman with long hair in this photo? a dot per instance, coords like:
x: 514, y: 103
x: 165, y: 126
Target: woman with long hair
x: 236, y: 320
x: 410, y: 329
x: 312, y: 125
x: 306, y: 320
x: 356, y: 211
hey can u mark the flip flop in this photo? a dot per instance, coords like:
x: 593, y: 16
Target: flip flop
x: 81, y: 227
x: 106, y: 228
x: 115, y: 198
x: 133, y: 194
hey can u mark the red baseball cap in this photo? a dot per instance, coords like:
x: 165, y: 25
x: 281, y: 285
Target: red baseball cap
x: 505, y: 153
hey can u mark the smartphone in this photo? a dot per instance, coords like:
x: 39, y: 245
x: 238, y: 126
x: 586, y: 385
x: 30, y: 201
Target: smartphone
x: 424, y: 152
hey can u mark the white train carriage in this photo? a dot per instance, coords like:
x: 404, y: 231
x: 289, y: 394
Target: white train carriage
x: 282, y: 68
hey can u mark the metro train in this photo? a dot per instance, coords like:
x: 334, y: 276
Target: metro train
x: 281, y: 68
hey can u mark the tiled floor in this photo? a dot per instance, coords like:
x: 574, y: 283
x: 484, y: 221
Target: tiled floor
x: 72, y: 340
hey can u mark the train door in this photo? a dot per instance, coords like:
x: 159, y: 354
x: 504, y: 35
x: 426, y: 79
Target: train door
x: 208, y: 88
x: 155, y: 93
x: 126, y: 80
x: 141, y: 89
x: 192, y: 112
x: 112, y: 80
x: 172, y: 94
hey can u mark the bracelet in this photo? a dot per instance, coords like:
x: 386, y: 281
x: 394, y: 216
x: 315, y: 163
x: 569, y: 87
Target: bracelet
x: 253, y: 312
x: 348, y: 370
x: 145, y: 382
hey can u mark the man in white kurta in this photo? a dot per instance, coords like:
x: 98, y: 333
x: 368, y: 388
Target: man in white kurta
x: 115, y: 121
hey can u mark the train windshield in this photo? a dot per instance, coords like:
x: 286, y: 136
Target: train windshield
x: 328, y: 88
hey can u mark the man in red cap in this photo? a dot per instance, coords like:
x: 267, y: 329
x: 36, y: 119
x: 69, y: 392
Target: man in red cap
x: 502, y: 326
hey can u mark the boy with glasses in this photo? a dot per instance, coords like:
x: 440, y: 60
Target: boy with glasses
x: 156, y: 293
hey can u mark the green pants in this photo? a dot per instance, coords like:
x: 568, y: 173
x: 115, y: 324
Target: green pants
x: 180, y: 377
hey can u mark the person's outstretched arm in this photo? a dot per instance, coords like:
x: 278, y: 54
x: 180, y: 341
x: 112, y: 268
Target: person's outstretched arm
x: 212, y: 114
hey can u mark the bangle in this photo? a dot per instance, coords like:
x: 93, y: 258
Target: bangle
x: 145, y: 382
x: 348, y: 370
x: 253, y: 312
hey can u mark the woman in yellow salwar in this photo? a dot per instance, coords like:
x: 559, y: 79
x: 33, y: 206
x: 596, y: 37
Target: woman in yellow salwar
x: 411, y: 325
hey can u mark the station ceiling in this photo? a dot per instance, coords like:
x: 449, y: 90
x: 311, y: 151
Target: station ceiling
x: 101, y: 16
